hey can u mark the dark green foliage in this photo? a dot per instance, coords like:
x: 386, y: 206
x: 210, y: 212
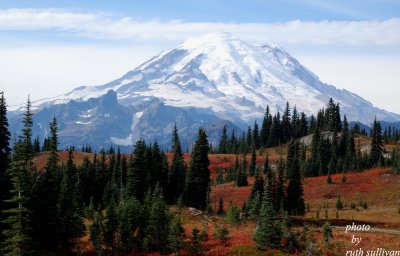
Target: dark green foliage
x: 176, y: 237
x: 233, y: 214
x: 258, y: 187
x: 5, y: 179
x: 177, y: 172
x: 327, y: 233
x: 70, y: 222
x: 275, y: 134
x: 294, y: 200
x: 252, y: 168
x: 96, y: 233
x: 223, y: 143
x: 44, y: 201
x: 268, y: 231
x: 157, y: 229
x: 255, y: 205
x: 131, y: 223
x: 17, y: 233
x: 377, y: 143
x: 286, y: 124
x: 111, y: 224
x: 195, y: 242
x: 221, y: 233
x: 136, y: 176
x: 198, y: 175
x: 241, y: 176
x: 279, y: 191
x: 256, y: 137
x: 17, y: 240
x: 332, y: 117
x: 266, y: 127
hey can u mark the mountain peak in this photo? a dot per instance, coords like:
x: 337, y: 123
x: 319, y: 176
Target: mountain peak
x: 212, y: 41
x: 221, y: 74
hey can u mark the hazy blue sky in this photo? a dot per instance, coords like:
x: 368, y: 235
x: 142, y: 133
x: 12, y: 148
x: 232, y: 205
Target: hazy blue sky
x: 50, y: 47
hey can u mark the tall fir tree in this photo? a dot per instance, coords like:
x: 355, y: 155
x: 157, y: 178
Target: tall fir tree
x: 198, y: 175
x: 177, y: 172
x: 70, y: 222
x: 5, y: 180
x: 136, y: 176
x: 294, y: 201
x: 223, y: 143
x: 157, y: 230
x: 266, y: 127
x: 268, y: 232
x: 256, y: 136
x: 252, y: 168
x: 241, y: 175
x: 376, y: 143
x: 17, y: 233
x: 45, y: 226
x: 286, y: 124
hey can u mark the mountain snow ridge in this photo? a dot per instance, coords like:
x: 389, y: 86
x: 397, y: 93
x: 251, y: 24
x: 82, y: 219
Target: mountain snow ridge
x: 232, y: 78
x: 208, y: 81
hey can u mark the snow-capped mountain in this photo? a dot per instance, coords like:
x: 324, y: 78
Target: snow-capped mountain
x: 222, y: 77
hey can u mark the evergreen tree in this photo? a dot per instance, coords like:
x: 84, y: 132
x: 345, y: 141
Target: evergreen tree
x: 344, y: 138
x: 252, y: 168
x: 36, y: 145
x: 258, y: 187
x: 313, y: 125
x: 265, y: 127
x: 249, y: 139
x: 131, y: 223
x: 280, y: 187
x: 376, y: 143
x: 256, y: 136
x: 111, y: 224
x: 241, y: 177
x: 268, y: 231
x: 176, y: 236
x: 97, y: 233
x: 332, y: 116
x: 274, y: 138
x: 198, y: 175
x: 223, y: 143
x: 294, y: 201
x: 233, y: 214
x: 70, y: 223
x: 233, y: 144
x: 136, y: 176
x: 315, y: 153
x: 286, y: 124
x: 177, y: 172
x: 17, y: 238
x: 157, y: 230
x: 5, y: 180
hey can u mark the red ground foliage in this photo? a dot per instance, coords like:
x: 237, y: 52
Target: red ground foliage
x: 357, y: 183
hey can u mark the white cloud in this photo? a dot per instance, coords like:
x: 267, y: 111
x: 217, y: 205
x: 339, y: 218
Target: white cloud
x: 110, y: 27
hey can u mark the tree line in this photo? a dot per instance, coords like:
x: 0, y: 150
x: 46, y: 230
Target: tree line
x: 124, y: 197
x: 332, y: 147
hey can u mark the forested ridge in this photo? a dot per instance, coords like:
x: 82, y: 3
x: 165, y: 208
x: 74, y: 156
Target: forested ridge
x: 122, y: 201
